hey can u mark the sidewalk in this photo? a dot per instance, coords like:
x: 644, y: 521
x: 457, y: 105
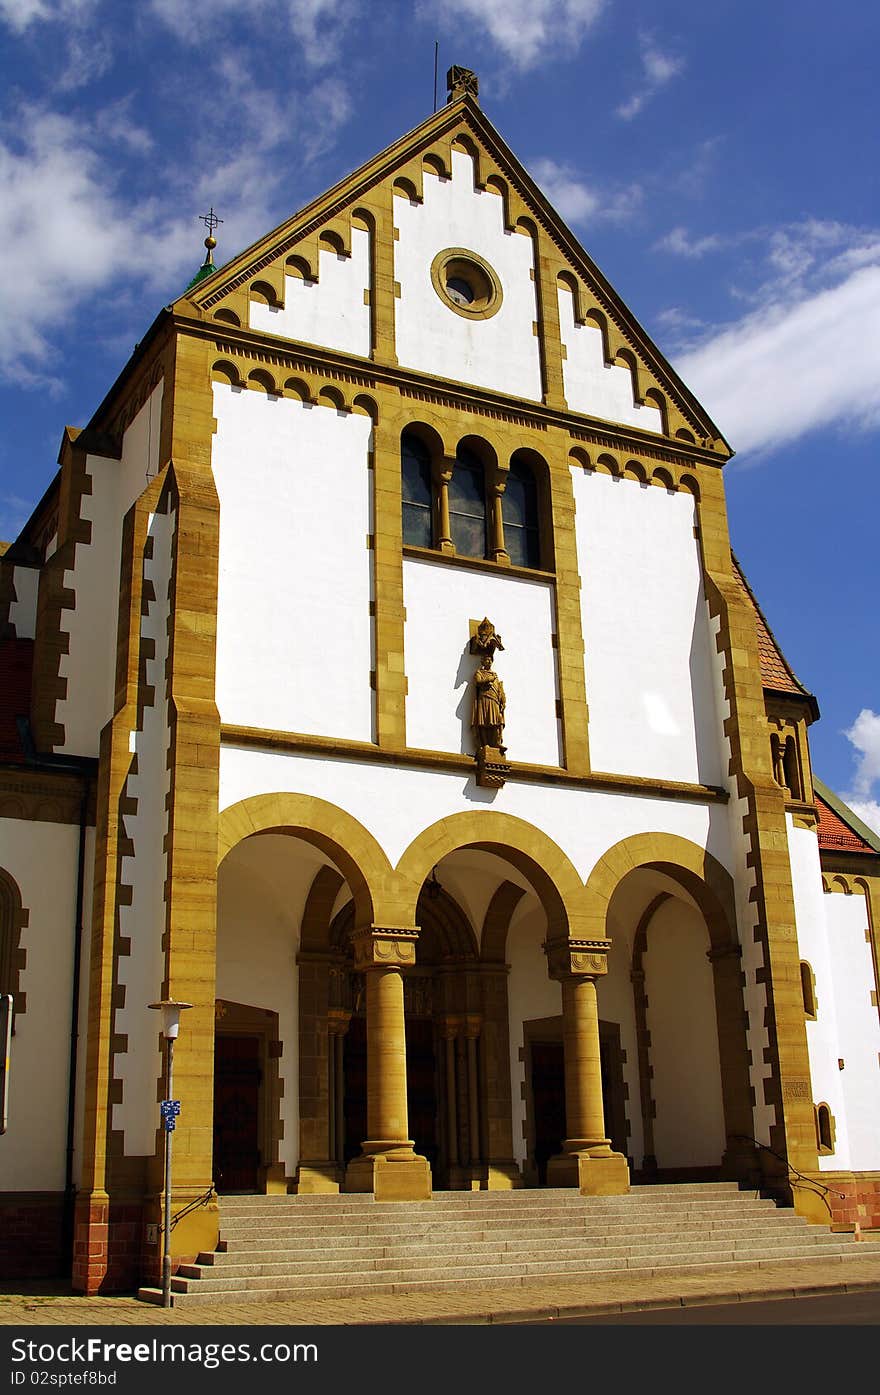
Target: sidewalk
x: 43, y: 1304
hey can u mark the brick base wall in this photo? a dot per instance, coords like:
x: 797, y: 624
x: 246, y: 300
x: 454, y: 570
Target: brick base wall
x: 860, y: 1199
x: 31, y: 1235
x: 107, y: 1245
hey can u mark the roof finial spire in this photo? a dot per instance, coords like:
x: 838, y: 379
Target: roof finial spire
x: 211, y: 221
x: 461, y: 82
x: 207, y: 268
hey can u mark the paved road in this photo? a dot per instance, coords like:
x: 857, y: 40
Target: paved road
x: 835, y: 1310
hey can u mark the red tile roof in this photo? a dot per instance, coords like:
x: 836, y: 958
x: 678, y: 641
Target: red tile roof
x: 16, y: 662
x: 775, y: 671
x: 837, y: 836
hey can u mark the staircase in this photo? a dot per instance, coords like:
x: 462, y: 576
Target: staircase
x: 347, y: 1246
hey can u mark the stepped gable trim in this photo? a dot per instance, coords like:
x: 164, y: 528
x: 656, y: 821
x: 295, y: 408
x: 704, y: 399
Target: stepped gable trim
x: 464, y: 112
x: 840, y: 830
x: 777, y: 675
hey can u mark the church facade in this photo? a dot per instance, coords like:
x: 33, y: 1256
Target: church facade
x: 378, y: 679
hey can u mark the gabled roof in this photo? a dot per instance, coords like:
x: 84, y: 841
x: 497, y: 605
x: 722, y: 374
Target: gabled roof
x: 461, y: 117
x: 777, y: 674
x: 840, y: 830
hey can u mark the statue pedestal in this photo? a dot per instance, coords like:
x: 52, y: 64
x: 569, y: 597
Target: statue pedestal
x: 492, y: 766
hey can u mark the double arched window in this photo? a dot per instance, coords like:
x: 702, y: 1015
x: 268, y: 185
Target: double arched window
x: 468, y: 506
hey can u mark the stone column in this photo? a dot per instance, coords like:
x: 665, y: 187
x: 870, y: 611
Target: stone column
x: 388, y: 1165
x: 442, y: 477
x: 587, y: 1160
x: 497, y: 484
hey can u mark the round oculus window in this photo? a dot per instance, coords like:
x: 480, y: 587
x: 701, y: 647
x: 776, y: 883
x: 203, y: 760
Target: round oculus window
x: 466, y: 283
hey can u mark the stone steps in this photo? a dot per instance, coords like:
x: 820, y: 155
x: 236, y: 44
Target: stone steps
x: 346, y: 1246
x: 375, y: 1246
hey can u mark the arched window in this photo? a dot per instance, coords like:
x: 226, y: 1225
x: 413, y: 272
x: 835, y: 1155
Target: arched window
x: 520, y: 512
x: 790, y: 768
x: 467, y: 505
x: 808, y: 989
x: 824, y: 1129
x: 415, y: 466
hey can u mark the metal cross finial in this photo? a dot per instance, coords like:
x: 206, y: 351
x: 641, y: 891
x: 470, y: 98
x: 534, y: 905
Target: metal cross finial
x: 210, y: 220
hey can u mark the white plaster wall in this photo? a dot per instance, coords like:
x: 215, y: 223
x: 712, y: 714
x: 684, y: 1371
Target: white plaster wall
x: 23, y: 610
x: 858, y: 1028
x: 686, y: 1081
x: 593, y: 386
x: 395, y: 804
x: 262, y: 889
x: 294, y: 635
x: 330, y: 311
x: 143, y: 921
x: 500, y: 352
x: 531, y: 993
x: 823, y: 1035
x: 439, y: 601
x: 89, y: 665
x: 42, y: 859
x: 646, y: 630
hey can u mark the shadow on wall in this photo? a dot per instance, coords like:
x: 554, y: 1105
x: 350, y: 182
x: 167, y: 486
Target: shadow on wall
x: 463, y: 677
x: 707, y: 720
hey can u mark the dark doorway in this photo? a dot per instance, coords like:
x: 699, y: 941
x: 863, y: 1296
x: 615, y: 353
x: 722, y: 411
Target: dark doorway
x: 420, y: 1082
x: 421, y: 1092
x: 548, y: 1102
x: 613, y: 1087
x: 237, y: 1077
x: 548, y: 1091
x: 354, y: 1074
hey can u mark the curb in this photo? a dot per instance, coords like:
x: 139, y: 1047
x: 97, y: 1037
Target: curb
x: 636, y: 1305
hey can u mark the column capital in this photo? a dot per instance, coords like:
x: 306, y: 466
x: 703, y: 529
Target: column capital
x: 473, y: 1026
x: 337, y: 1021
x: 388, y: 947
x: 577, y: 958
x: 449, y: 1027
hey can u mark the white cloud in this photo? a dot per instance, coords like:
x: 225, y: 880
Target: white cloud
x: 658, y: 69
x: 864, y: 735
x: 807, y: 354
x: 579, y: 202
x: 868, y: 810
x: 20, y: 14
x: 317, y: 25
x: 70, y: 232
x: 681, y: 244
x: 526, y: 31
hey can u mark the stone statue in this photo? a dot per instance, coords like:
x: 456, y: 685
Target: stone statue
x: 489, y: 704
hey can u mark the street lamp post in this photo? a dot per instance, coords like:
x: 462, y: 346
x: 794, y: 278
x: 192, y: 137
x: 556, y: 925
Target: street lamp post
x: 170, y: 1009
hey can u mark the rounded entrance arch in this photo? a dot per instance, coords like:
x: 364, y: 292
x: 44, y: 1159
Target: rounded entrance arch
x: 673, y: 904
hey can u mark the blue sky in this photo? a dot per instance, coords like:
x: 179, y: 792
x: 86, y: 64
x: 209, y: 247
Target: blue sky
x: 717, y: 160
